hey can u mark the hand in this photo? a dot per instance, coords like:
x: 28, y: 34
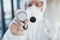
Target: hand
x: 16, y: 27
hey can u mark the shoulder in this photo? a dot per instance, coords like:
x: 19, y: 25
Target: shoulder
x: 48, y: 22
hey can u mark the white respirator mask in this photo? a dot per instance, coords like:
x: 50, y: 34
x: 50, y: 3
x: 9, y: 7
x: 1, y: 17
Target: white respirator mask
x: 34, y: 14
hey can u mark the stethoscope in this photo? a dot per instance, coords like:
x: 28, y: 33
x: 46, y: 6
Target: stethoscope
x: 22, y: 16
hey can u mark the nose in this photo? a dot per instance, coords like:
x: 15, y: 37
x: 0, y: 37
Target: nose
x: 34, y: 1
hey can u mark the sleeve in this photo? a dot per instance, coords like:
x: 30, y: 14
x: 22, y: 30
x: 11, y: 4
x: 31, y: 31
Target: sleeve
x: 9, y: 36
x: 51, y: 30
x: 57, y: 24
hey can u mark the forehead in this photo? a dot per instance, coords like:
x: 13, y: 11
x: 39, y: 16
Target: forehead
x: 35, y: 1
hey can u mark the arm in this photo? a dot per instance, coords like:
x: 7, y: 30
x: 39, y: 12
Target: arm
x: 51, y: 30
x: 15, y: 30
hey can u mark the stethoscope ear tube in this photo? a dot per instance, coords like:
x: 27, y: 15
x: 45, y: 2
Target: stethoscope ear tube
x: 25, y: 28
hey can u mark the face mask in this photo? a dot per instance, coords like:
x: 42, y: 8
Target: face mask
x: 34, y: 14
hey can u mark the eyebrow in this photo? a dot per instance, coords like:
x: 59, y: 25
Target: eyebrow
x: 40, y: 2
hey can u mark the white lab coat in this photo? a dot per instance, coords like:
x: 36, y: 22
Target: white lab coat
x: 44, y: 30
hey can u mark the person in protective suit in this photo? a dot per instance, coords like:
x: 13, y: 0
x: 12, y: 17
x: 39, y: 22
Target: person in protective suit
x: 40, y: 29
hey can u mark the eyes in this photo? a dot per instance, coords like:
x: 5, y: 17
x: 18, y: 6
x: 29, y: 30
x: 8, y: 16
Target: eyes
x: 37, y: 4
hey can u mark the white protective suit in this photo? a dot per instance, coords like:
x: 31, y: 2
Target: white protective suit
x: 42, y: 29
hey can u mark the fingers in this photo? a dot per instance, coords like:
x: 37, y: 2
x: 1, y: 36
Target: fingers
x: 16, y: 27
x: 25, y: 24
x: 26, y: 21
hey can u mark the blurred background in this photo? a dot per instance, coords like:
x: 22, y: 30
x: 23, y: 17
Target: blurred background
x: 8, y: 8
